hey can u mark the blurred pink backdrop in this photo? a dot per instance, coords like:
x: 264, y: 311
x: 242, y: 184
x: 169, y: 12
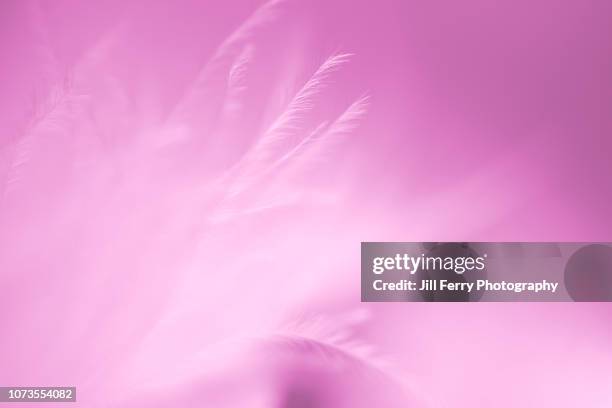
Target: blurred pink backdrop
x: 185, y: 184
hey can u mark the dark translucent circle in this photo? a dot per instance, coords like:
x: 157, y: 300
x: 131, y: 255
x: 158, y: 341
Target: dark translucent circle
x: 450, y: 250
x: 302, y: 398
x: 588, y: 274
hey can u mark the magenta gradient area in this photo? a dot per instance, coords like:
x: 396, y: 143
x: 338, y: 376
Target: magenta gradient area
x: 184, y: 187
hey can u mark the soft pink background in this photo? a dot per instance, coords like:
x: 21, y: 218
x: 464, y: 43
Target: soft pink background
x: 161, y: 244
